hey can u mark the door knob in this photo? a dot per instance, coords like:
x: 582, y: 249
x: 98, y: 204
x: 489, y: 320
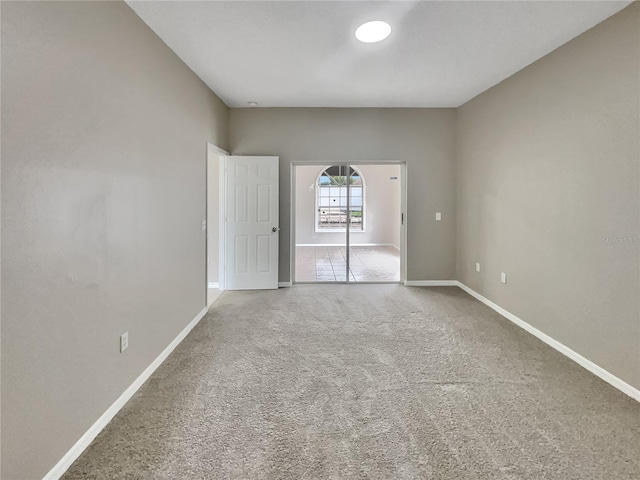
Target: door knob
x: 275, y: 229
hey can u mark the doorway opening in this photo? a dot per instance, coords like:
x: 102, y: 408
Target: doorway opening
x: 348, y: 223
x: 214, y: 246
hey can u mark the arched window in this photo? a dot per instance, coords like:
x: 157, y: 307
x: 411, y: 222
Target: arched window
x: 331, y: 199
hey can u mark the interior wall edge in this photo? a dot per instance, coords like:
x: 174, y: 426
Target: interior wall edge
x: 85, y: 440
x: 546, y: 171
x: 422, y: 139
x: 584, y: 362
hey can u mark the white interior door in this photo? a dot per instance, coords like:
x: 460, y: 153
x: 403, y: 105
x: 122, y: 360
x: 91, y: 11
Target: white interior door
x: 252, y: 224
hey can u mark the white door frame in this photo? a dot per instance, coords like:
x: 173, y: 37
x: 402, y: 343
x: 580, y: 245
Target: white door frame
x: 222, y: 158
x: 222, y: 224
x: 403, y: 207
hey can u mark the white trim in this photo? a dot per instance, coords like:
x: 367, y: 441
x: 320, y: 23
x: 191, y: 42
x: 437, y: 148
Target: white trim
x: 284, y: 284
x: 213, y: 150
x: 576, y: 357
x: 403, y: 222
x: 315, y: 163
x: 292, y: 222
x: 213, y: 285
x: 65, y: 462
x: 431, y: 283
x: 217, y: 150
x: 342, y: 245
x: 222, y: 223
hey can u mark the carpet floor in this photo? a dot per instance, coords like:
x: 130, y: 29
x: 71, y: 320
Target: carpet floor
x: 366, y: 381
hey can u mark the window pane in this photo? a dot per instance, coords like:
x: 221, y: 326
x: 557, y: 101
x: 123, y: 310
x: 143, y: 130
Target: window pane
x: 331, y: 199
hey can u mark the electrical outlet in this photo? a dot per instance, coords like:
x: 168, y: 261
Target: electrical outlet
x: 503, y: 277
x: 124, y: 341
x: 477, y: 267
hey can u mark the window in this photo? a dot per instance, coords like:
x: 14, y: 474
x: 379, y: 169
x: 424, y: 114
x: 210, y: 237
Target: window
x: 331, y: 199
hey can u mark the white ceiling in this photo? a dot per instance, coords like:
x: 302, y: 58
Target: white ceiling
x: 304, y: 53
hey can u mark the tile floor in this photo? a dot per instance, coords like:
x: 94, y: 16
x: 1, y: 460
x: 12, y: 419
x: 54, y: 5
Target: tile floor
x: 366, y: 264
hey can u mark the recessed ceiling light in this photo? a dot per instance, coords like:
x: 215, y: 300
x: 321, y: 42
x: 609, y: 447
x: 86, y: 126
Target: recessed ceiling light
x: 372, y: 32
x: 252, y: 104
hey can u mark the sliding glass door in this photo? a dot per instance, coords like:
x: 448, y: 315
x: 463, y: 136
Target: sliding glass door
x: 349, y: 236
x: 332, y: 217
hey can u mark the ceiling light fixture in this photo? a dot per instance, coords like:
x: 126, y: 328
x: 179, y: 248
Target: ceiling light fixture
x: 253, y: 104
x: 372, y: 32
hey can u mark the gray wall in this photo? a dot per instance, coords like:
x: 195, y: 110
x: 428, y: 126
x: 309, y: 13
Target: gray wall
x: 103, y: 192
x: 423, y: 138
x: 548, y: 169
x: 382, y: 207
x: 104, y: 135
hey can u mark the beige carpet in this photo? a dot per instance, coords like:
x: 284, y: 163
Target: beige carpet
x: 366, y: 381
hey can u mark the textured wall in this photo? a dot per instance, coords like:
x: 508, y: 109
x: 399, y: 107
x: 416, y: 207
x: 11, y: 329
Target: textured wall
x: 104, y: 135
x: 548, y: 192
x: 423, y: 138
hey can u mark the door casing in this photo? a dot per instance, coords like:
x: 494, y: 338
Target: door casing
x: 215, y: 159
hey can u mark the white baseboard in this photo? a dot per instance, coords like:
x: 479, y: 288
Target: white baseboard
x: 611, y: 379
x: 213, y: 285
x: 65, y: 462
x: 342, y: 245
x: 284, y: 284
x: 218, y: 294
x: 431, y: 283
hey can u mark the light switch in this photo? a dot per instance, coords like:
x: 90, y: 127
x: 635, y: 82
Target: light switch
x: 124, y: 341
x: 438, y: 216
